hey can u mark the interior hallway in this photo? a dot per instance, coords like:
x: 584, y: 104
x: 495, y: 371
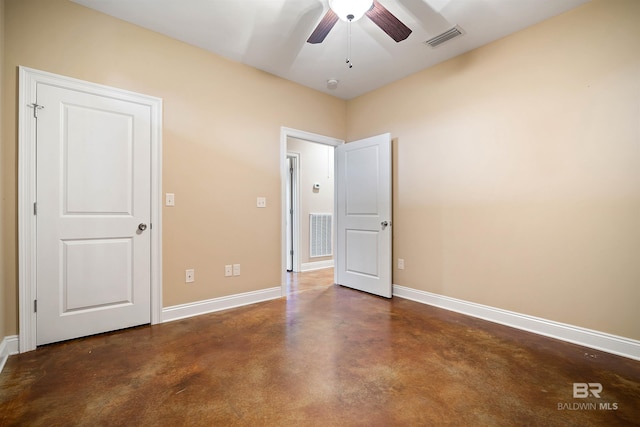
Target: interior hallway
x: 326, y: 355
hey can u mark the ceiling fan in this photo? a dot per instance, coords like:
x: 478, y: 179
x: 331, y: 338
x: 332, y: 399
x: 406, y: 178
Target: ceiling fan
x: 352, y: 10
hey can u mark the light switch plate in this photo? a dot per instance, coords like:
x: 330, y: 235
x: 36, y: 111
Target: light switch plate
x: 170, y: 199
x: 228, y: 270
x: 190, y: 275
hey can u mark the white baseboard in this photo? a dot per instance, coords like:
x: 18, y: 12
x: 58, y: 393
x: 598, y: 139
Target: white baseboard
x: 183, y: 311
x: 574, y: 334
x: 317, y: 265
x: 8, y: 346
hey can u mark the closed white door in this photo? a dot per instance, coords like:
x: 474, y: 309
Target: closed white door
x: 93, y: 212
x: 363, y: 206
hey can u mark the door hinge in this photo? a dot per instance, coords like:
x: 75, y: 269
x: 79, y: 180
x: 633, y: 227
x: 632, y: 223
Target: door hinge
x: 291, y: 252
x: 35, y: 107
x: 35, y: 208
x: 150, y: 226
x: 35, y: 305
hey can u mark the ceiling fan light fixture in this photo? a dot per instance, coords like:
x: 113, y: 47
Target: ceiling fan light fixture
x: 350, y: 10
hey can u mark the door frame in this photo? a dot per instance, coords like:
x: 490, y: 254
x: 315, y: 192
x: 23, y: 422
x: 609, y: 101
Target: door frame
x: 27, y: 233
x: 286, y: 133
x: 295, y: 205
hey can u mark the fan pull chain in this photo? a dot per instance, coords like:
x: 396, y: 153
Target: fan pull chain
x: 349, y: 64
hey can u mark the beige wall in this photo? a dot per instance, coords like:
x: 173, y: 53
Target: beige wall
x: 221, y: 141
x: 316, y: 165
x: 517, y: 170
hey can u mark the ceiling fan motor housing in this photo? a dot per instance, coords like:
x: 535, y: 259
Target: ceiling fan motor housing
x: 350, y: 10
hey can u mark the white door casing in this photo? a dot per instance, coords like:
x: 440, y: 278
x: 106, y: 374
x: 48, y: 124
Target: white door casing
x: 289, y: 216
x: 98, y: 177
x: 293, y: 224
x: 363, y: 214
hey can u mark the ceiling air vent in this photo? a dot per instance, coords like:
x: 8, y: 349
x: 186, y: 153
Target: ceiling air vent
x: 444, y: 37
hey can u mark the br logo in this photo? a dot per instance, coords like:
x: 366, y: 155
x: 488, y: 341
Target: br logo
x: 583, y: 390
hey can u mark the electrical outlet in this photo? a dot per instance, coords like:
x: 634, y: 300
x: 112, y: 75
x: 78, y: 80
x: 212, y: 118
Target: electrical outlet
x: 261, y: 202
x: 170, y: 199
x: 189, y: 275
x: 228, y: 270
x: 400, y: 264
x: 236, y: 269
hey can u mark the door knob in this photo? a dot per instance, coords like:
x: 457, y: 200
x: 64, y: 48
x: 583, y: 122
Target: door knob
x: 142, y: 227
x: 384, y: 224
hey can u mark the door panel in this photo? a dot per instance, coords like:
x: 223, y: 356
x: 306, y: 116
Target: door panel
x: 93, y: 190
x: 363, y: 206
x: 361, y: 171
x: 97, y: 144
x: 362, y: 252
x: 89, y: 282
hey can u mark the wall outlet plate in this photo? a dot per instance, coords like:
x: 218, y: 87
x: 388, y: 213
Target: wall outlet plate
x: 189, y: 275
x: 236, y: 269
x: 228, y: 270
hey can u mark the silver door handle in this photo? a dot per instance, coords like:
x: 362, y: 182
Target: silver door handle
x: 142, y: 227
x: 384, y: 224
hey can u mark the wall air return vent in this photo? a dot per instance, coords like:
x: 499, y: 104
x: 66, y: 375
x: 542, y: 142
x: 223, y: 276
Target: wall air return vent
x: 320, y: 238
x: 444, y: 37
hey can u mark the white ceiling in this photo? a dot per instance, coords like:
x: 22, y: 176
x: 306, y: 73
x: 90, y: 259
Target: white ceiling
x: 271, y: 34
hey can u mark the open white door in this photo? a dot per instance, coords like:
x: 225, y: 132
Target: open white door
x: 363, y: 214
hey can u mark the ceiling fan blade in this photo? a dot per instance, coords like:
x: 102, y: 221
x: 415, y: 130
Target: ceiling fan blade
x: 388, y: 22
x: 323, y: 28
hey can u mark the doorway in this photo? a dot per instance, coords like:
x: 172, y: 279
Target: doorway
x: 363, y: 203
x: 310, y: 197
x: 294, y: 235
x: 88, y: 249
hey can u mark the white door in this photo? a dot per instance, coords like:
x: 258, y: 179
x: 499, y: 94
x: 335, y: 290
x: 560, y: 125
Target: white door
x: 363, y: 206
x: 93, y: 213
